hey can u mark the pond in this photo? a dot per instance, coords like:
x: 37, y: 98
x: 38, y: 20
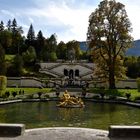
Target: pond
x: 46, y: 114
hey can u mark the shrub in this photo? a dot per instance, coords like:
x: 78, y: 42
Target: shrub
x: 14, y: 93
x: 39, y: 94
x: 128, y: 95
x: 102, y: 94
x: 7, y: 94
x: 57, y: 93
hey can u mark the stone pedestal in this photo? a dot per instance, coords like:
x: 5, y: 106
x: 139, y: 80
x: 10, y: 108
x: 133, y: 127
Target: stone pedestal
x: 122, y: 131
x: 11, y: 130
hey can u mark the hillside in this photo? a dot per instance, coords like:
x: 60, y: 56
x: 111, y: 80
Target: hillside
x: 83, y: 46
x: 134, y: 51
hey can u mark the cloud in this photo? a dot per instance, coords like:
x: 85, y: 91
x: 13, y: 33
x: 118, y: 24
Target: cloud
x: 31, y: 20
x: 133, y: 12
x: 7, y: 13
x: 61, y: 15
x: 67, y: 18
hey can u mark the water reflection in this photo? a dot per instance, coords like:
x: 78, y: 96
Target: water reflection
x: 46, y: 114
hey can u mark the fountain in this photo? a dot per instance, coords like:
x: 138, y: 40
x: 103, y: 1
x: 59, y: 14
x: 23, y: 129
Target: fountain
x: 70, y: 101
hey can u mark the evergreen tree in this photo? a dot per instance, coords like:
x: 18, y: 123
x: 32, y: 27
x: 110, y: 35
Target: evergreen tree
x: 30, y: 41
x: 31, y: 33
x: 40, y: 44
x: 1, y: 26
x: 14, y: 26
x: 9, y: 25
x: 52, y: 42
x: 16, y: 37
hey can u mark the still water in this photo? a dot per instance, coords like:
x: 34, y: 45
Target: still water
x: 46, y: 114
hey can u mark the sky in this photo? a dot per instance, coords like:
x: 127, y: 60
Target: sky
x: 68, y: 19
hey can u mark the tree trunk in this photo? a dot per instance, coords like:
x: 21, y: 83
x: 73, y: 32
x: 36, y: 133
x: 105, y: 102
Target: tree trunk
x: 112, y: 79
x: 112, y: 82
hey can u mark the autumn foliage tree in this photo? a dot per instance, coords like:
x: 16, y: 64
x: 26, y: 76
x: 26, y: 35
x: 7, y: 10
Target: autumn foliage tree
x: 108, y: 38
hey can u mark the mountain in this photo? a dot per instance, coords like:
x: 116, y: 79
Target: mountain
x: 134, y: 51
x: 83, y: 46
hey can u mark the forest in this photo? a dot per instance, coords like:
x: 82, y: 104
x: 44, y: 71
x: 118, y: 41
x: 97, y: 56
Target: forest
x: 21, y: 54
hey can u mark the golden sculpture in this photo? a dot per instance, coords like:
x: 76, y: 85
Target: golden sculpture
x: 70, y: 101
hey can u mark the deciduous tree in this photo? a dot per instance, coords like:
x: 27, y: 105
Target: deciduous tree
x: 108, y: 38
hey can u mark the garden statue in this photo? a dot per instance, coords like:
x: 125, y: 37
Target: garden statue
x: 70, y: 101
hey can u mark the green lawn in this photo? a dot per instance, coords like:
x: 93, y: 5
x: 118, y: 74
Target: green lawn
x: 30, y: 90
x: 118, y: 92
x: 134, y: 92
x: 9, y: 57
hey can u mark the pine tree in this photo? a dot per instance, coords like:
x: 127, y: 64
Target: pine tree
x: 1, y: 26
x: 9, y: 25
x: 31, y: 33
x: 40, y: 43
x: 14, y: 26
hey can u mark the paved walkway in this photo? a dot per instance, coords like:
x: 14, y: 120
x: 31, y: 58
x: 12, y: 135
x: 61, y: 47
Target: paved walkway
x: 62, y: 133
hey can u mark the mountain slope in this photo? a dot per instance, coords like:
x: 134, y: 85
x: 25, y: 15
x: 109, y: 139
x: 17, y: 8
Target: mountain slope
x: 134, y: 51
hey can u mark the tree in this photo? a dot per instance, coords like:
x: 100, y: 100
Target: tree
x: 52, y: 42
x: 6, y: 40
x: 48, y: 52
x: 29, y: 56
x: 31, y: 33
x: 18, y: 65
x: 108, y: 38
x: 53, y: 56
x: 2, y: 61
x: 14, y: 26
x: 30, y: 41
x: 40, y: 42
x: 73, y: 45
x: 61, y: 50
x: 1, y: 26
x: 9, y: 25
x: 132, y: 64
x: 45, y: 52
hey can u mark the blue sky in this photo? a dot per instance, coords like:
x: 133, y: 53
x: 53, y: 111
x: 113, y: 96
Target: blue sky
x: 67, y: 18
